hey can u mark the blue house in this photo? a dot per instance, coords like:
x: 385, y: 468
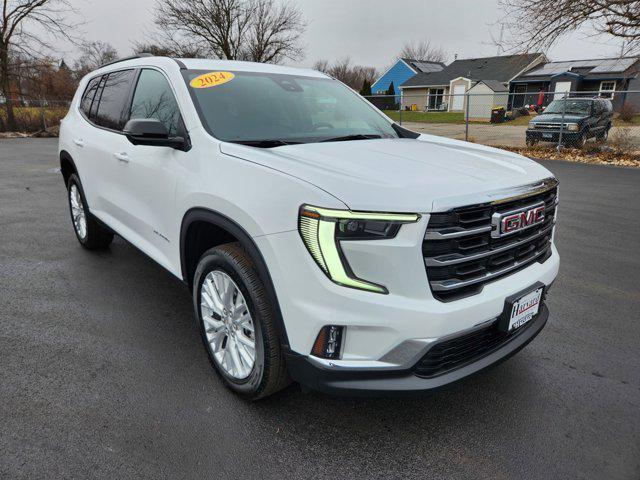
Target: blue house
x: 401, y: 71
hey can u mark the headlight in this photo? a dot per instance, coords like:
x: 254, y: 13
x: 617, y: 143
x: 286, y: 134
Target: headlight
x: 573, y: 127
x: 323, y: 229
x: 532, y: 124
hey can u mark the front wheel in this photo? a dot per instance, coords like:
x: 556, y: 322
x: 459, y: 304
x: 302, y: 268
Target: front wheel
x: 602, y: 137
x: 581, y: 141
x: 237, y: 324
x: 531, y: 142
x: 90, y: 233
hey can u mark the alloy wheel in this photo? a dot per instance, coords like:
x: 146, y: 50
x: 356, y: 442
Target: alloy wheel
x: 228, y: 325
x: 77, y: 212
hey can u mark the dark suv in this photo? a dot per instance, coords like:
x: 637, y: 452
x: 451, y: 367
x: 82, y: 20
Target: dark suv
x: 583, y: 118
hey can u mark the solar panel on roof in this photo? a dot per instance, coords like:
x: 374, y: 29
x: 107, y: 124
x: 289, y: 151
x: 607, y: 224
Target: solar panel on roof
x: 598, y: 66
x: 428, y: 67
x: 614, y: 65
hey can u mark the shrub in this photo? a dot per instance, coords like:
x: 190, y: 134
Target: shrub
x: 627, y: 112
x: 621, y: 139
x: 29, y: 119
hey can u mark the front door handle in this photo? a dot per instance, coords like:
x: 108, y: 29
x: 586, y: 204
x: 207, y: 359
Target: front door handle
x: 122, y: 157
x: 79, y: 142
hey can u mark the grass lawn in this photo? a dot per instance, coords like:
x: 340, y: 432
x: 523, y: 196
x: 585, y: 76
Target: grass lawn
x: 458, y: 118
x: 444, y: 117
x: 426, y: 117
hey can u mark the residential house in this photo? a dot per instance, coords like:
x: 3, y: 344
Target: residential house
x: 444, y: 90
x: 601, y: 77
x: 401, y: 71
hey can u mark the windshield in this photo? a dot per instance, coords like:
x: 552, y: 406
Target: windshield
x: 267, y: 110
x: 573, y: 107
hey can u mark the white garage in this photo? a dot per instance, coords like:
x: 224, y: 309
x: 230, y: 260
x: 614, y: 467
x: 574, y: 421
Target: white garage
x: 485, y: 95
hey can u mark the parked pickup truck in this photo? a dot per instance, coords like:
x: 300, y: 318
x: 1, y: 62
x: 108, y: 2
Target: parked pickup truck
x: 320, y: 241
x: 583, y: 118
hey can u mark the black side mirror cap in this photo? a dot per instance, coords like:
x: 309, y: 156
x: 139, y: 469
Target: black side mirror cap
x: 152, y: 132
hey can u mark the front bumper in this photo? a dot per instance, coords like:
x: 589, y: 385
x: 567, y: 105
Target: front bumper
x: 540, y: 135
x: 354, y: 382
x: 382, y: 331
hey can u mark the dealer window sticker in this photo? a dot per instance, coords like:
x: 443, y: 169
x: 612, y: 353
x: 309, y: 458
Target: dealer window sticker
x: 211, y: 79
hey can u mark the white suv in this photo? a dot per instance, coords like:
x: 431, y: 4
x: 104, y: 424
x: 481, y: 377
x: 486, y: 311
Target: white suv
x: 322, y: 242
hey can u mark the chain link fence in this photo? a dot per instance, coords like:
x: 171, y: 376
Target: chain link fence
x: 555, y: 119
x: 33, y: 115
x: 504, y: 119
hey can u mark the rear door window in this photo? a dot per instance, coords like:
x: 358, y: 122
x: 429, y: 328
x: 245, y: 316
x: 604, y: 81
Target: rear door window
x: 113, y: 98
x: 154, y: 98
x: 89, y: 95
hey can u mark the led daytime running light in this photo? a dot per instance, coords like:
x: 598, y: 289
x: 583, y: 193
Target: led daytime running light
x: 318, y: 231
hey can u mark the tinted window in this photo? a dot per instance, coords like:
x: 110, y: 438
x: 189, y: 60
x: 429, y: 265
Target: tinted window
x: 89, y: 94
x: 252, y: 106
x: 154, y: 98
x: 113, y: 98
x: 570, y: 106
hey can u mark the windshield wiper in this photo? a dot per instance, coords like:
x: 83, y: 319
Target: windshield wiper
x: 346, y: 138
x: 267, y: 143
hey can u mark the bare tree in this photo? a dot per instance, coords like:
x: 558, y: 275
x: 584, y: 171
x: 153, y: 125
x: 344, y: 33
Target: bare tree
x: 321, y: 65
x: 93, y: 55
x: 256, y: 30
x: 423, y: 50
x: 343, y: 70
x: 274, y: 32
x: 19, y: 19
x: 167, y: 49
x: 535, y: 25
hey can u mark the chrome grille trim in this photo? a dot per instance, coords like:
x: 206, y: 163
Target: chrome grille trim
x: 445, y: 260
x: 454, y: 283
x: 440, y: 235
x: 462, y: 252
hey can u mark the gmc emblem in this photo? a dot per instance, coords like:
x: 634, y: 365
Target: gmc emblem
x: 516, y: 220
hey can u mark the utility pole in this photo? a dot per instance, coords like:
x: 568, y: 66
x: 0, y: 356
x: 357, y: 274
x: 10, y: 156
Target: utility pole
x: 499, y: 52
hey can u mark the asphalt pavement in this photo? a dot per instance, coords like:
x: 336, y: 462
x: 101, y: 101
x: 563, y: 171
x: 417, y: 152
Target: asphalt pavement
x: 102, y: 373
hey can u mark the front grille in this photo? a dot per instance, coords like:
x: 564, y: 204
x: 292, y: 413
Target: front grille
x: 461, y: 256
x: 452, y: 354
x: 548, y: 126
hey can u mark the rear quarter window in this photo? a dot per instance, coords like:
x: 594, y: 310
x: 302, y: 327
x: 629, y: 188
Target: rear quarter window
x: 89, y: 95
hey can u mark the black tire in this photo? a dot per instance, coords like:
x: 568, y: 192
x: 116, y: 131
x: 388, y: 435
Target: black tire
x: 581, y: 141
x: 269, y: 373
x: 531, y: 142
x: 97, y: 236
x: 602, y: 137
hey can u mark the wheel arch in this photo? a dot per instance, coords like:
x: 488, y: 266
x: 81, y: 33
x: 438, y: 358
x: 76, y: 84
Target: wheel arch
x: 202, y: 229
x: 67, y: 166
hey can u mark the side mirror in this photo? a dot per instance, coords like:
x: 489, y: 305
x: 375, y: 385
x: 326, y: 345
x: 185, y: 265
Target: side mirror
x: 152, y: 132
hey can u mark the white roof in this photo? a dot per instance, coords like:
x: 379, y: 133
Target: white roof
x: 237, y: 66
x: 212, y: 64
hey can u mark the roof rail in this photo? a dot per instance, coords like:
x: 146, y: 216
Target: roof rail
x: 132, y: 57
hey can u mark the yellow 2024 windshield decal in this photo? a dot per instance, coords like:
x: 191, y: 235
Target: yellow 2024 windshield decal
x: 211, y: 79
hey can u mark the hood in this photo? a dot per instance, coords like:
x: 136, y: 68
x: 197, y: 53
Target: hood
x: 557, y: 118
x: 399, y: 175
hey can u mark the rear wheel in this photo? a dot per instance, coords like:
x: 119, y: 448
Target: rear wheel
x: 90, y: 233
x: 237, y: 325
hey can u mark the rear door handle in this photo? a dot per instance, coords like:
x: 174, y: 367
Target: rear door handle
x: 79, y: 142
x: 122, y: 157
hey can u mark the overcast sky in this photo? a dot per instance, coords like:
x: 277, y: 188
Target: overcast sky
x: 371, y: 32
